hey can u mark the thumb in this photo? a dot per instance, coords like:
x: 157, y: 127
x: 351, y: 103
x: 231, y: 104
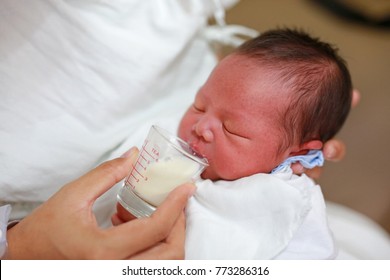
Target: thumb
x: 174, y: 203
x: 96, y: 182
x: 334, y: 150
x: 140, y: 234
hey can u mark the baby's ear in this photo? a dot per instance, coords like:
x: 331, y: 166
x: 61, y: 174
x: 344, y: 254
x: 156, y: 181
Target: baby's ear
x: 305, y: 147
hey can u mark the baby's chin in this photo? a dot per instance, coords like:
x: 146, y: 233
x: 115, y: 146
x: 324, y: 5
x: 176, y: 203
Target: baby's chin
x: 210, y: 174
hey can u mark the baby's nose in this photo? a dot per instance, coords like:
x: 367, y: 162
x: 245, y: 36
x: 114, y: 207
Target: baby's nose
x: 204, y: 130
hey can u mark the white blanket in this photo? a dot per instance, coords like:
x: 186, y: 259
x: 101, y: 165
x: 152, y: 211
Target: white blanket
x: 258, y: 217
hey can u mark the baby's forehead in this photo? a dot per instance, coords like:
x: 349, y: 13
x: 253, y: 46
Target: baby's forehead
x: 264, y: 73
x: 241, y: 81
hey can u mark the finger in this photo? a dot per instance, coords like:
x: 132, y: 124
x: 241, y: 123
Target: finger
x: 175, y: 202
x: 137, y: 235
x: 161, y: 251
x: 99, y: 180
x: 171, y: 249
x: 177, y: 235
x: 297, y: 168
x: 355, y: 97
x: 314, y: 173
x: 176, y: 239
x: 115, y: 220
x: 123, y: 214
x: 334, y: 150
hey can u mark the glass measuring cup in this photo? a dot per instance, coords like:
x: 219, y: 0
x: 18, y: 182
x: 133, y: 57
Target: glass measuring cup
x: 165, y: 161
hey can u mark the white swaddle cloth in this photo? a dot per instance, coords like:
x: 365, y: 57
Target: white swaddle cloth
x: 250, y: 218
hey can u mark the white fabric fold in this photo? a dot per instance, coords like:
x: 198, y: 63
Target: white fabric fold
x: 5, y: 210
x: 250, y: 218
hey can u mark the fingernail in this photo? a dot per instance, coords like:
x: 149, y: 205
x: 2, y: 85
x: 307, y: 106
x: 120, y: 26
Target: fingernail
x: 129, y: 152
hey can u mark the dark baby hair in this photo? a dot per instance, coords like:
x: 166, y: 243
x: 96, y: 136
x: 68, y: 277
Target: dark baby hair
x: 316, y: 76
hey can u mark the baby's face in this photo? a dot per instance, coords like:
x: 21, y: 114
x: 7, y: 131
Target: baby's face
x: 235, y: 121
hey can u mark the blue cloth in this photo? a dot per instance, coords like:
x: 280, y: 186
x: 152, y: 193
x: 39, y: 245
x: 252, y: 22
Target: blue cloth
x: 312, y: 159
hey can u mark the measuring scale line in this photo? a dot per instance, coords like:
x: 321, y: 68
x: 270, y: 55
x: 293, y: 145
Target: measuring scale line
x: 140, y: 174
x: 131, y: 185
x: 144, y: 158
x: 149, y: 154
x: 143, y: 167
x: 128, y: 182
x: 132, y: 175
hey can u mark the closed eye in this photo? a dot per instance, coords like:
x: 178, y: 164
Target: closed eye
x: 197, y: 109
x: 233, y: 133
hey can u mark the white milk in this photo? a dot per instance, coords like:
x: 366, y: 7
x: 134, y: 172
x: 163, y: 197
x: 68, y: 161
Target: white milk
x: 163, y: 177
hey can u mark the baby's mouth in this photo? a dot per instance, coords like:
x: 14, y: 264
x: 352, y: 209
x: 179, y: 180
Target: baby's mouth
x: 195, y: 150
x: 196, y: 153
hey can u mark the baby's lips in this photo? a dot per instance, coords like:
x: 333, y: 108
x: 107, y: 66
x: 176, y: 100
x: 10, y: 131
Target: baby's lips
x: 195, y: 150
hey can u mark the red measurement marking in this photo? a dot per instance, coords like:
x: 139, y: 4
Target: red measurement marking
x: 144, y: 158
x: 129, y: 183
x: 149, y: 154
x: 135, y: 169
x: 144, y: 167
x: 132, y: 175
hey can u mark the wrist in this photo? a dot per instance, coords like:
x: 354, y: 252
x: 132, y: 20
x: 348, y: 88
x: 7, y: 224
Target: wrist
x: 7, y: 253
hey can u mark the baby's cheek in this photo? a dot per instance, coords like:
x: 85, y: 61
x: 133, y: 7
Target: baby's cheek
x: 183, y: 132
x: 225, y: 170
x: 237, y: 167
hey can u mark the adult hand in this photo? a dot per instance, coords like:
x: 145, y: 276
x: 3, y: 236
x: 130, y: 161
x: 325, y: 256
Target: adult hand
x: 64, y: 227
x: 334, y: 150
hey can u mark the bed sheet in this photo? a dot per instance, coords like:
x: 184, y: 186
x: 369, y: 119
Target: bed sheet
x: 356, y: 235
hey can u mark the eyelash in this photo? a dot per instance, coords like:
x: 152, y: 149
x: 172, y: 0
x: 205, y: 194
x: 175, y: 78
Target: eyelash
x: 197, y: 109
x: 223, y: 125
x: 232, y: 133
x: 227, y: 130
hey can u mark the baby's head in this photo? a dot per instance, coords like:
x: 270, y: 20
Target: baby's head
x: 280, y: 94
